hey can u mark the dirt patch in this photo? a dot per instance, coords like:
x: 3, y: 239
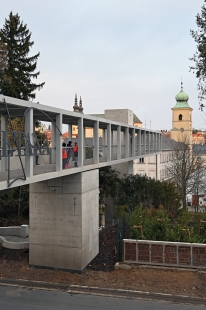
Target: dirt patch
x: 101, y: 273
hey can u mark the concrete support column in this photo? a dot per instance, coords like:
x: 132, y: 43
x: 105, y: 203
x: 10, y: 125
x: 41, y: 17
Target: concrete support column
x: 84, y: 143
x: 59, y: 142
x: 139, y: 142
x: 155, y: 142
x: 119, y: 142
x: 53, y: 141
x: 108, y: 142
x: 4, y: 146
x: 29, y: 160
x: 158, y: 166
x: 144, y: 142
x: 149, y: 142
x: 80, y: 142
x: 133, y: 142
x: 112, y: 143
x: 64, y: 221
x: 152, y: 143
x: 127, y: 142
x: 96, y: 142
x: 160, y: 142
x: 69, y: 132
x: 104, y: 142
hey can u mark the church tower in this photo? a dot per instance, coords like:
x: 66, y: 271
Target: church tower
x: 182, y: 118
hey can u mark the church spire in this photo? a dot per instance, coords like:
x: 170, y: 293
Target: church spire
x: 75, y: 107
x: 80, y: 105
x: 181, y: 84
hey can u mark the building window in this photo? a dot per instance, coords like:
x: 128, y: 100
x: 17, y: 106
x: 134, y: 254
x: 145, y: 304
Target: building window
x: 180, y: 117
x: 141, y: 160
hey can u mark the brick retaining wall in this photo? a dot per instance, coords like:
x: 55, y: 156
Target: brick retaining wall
x: 191, y: 255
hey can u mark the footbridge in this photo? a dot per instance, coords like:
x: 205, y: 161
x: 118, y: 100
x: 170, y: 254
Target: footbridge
x: 64, y: 203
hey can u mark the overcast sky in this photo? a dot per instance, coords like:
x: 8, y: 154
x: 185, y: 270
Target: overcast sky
x: 114, y: 53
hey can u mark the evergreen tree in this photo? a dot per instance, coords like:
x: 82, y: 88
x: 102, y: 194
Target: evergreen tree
x: 17, y: 68
x: 199, y: 57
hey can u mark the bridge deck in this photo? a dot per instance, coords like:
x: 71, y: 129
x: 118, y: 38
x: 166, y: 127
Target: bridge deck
x: 112, y: 142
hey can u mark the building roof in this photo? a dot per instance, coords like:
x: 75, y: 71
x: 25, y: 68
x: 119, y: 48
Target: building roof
x: 168, y: 144
x: 135, y: 118
x: 98, y: 115
x: 199, y: 148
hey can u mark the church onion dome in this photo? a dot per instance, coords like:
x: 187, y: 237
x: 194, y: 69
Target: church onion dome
x: 182, y: 96
x: 182, y: 99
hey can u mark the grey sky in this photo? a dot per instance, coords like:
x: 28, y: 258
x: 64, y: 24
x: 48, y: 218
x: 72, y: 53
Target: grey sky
x: 114, y: 53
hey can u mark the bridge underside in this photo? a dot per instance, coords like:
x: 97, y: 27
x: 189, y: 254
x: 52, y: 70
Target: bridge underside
x: 64, y: 221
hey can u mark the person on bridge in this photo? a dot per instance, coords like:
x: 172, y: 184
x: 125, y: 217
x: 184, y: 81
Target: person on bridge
x: 64, y: 155
x: 75, y: 154
x: 69, y: 152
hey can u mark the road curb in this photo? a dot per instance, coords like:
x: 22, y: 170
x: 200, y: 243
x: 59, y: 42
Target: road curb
x: 77, y: 289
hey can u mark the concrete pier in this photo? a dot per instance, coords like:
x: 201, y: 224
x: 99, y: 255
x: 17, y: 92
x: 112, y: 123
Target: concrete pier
x: 64, y: 221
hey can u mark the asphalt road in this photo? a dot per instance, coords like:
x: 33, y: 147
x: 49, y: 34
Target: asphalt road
x: 15, y: 298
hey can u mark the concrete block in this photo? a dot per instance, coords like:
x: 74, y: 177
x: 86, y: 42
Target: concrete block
x: 65, y: 222
x: 24, y: 231
x: 13, y: 245
x: 10, y: 231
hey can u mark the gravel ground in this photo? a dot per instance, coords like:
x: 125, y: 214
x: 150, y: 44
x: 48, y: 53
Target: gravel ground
x: 100, y: 272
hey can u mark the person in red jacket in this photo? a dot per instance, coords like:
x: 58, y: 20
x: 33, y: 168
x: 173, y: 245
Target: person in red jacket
x: 64, y: 155
x: 75, y: 149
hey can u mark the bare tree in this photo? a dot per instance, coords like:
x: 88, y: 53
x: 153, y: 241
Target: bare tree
x: 186, y: 169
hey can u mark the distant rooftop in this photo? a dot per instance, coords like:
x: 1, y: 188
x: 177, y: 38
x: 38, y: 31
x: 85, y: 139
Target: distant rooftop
x: 135, y: 118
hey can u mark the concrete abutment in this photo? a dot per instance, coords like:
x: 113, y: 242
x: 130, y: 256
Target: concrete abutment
x: 64, y: 221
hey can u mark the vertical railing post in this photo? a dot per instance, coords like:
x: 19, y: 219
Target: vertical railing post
x: 80, y: 142
x: 149, y: 141
x: 112, y: 143
x: 152, y: 143
x: 160, y: 142
x: 126, y: 142
x: 4, y: 125
x: 133, y: 142
x: 69, y: 132
x: 104, y: 143
x: 118, y: 142
x: 59, y: 142
x: 96, y: 142
x: 109, y: 142
x: 53, y: 142
x: 144, y: 142
x: 29, y: 159
x: 155, y: 142
x: 139, y: 142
